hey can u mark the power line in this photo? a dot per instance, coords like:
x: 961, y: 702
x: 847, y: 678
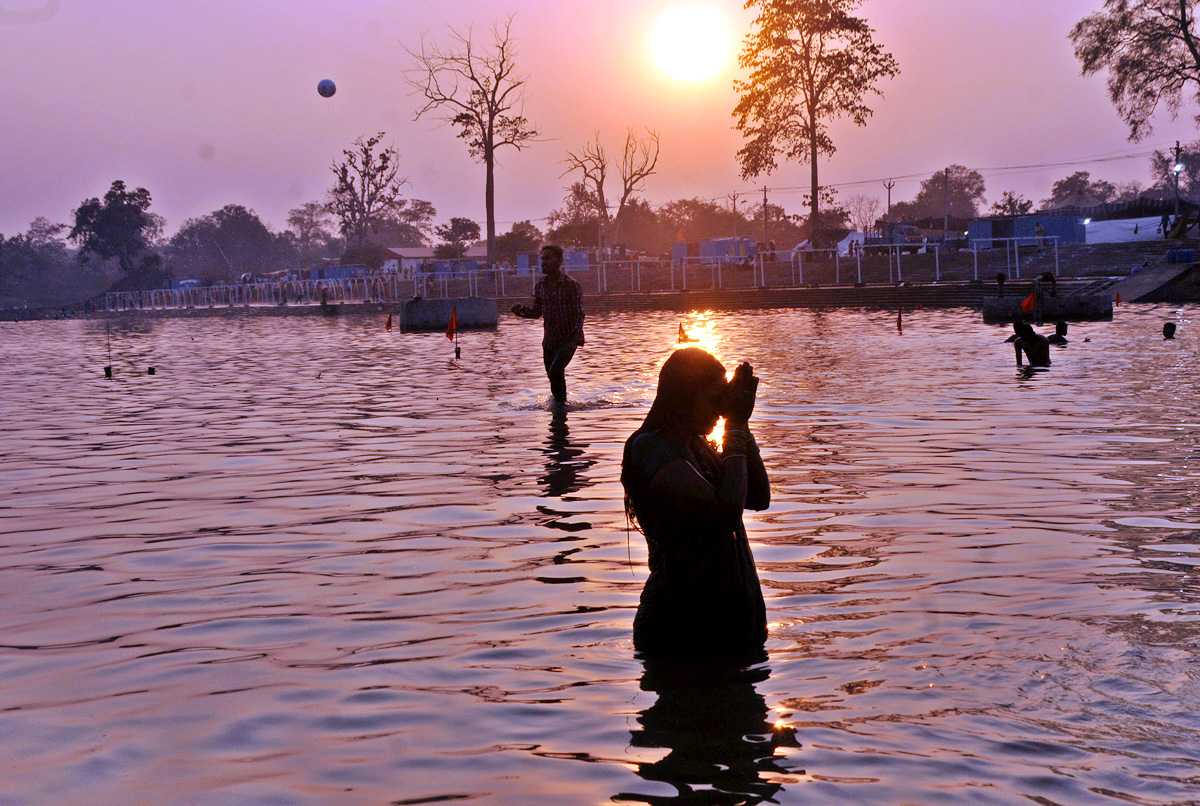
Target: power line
x: 1142, y: 152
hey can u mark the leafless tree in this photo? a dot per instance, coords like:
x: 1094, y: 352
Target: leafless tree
x: 638, y: 162
x: 592, y: 163
x: 477, y: 89
x: 863, y: 210
x: 639, y: 159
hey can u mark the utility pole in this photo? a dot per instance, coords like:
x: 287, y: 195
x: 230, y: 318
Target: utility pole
x: 889, y: 185
x: 765, y: 241
x: 733, y: 197
x: 1177, y: 168
x: 946, y: 207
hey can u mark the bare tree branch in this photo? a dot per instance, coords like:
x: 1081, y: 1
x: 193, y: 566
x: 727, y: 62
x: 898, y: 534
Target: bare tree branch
x: 477, y: 90
x: 592, y: 163
x: 637, y: 164
x: 863, y: 210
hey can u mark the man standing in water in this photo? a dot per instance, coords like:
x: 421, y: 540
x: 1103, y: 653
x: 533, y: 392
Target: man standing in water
x: 1035, y: 346
x: 558, y: 300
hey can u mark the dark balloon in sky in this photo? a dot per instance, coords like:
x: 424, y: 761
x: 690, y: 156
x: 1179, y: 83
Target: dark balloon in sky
x: 326, y: 87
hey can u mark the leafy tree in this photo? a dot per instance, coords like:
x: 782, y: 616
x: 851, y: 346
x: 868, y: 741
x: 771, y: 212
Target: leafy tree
x: 479, y: 92
x: 226, y: 243
x: 788, y: 230
x: 580, y: 202
x: 592, y: 163
x: 810, y: 62
x: 309, y: 232
x: 1151, y: 53
x: 44, y: 233
x: 1012, y: 204
x: 409, y: 223
x: 1162, y: 172
x: 640, y: 229
x: 955, y: 190
x: 578, y: 222
x: 121, y: 226
x: 149, y: 271
x: 1129, y: 191
x: 456, y: 235
x: 830, y: 214
x: 31, y: 263
x: 371, y: 255
x: 366, y: 188
x: 523, y: 238
x: 700, y: 219
x: 1078, y: 184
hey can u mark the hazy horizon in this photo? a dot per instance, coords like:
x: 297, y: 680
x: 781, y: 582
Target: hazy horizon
x: 215, y: 103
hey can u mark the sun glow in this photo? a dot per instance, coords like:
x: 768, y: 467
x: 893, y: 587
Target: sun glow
x: 690, y: 43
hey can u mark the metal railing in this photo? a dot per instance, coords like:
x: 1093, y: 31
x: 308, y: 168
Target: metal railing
x: 1012, y: 249
x: 875, y: 264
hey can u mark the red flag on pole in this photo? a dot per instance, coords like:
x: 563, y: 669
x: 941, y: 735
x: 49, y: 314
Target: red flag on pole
x: 900, y: 320
x: 389, y: 322
x: 1118, y: 300
x: 452, y: 328
x: 1029, y: 303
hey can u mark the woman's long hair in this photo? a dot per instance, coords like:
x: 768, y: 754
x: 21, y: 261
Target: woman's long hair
x: 684, y: 375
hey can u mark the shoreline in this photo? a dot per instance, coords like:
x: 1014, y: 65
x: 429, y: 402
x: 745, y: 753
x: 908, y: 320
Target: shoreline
x: 885, y: 296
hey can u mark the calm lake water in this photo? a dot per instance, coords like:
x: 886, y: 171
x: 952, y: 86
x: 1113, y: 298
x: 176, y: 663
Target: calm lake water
x: 314, y: 562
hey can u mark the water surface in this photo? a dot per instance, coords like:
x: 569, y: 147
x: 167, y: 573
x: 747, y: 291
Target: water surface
x: 310, y: 561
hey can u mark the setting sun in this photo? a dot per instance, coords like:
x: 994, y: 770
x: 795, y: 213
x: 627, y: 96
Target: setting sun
x: 690, y: 43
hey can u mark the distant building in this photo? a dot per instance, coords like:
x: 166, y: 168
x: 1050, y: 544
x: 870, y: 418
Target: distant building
x: 405, y: 260
x: 1078, y: 221
x: 714, y: 250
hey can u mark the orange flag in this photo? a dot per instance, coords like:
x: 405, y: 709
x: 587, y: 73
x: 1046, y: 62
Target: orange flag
x: 1029, y: 303
x: 452, y: 328
x: 389, y: 322
x: 1118, y: 300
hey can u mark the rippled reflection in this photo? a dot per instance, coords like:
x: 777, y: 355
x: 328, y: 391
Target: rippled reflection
x: 311, y: 561
x: 566, y: 463
x: 721, y: 744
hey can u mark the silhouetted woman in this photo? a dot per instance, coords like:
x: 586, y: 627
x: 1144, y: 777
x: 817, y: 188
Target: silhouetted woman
x: 702, y: 596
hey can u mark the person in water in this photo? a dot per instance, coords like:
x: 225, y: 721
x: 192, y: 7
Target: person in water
x: 1060, y: 333
x: 702, y: 596
x: 1035, y: 346
x: 1169, y: 330
x: 558, y: 299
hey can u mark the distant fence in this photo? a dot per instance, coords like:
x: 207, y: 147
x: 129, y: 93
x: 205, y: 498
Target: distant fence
x: 875, y: 265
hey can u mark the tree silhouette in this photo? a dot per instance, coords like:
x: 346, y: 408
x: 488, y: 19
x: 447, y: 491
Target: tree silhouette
x: 456, y: 235
x: 1150, y: 51
x: 1012, y: 204
x: 810, y: 62
x: 121, y: 226
x: 639, y: 159
x: 366, y: 187
x: 479, y: 91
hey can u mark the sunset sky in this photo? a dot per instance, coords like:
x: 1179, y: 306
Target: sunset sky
x: 212, y: 102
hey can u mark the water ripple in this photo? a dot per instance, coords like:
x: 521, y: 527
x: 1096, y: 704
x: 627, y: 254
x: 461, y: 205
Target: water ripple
x: 311, y: 561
